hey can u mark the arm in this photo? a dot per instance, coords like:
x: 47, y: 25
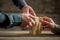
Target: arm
x: 9, y: 20
x: 13, y: 19
x: 23, y: 5
x: 19, y: 3
x: 57, y: 29
x: 50, y: 24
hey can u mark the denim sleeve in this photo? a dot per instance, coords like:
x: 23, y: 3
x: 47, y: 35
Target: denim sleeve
x: 19, y: 3
x: 57, y: 29
x: 10, y: 20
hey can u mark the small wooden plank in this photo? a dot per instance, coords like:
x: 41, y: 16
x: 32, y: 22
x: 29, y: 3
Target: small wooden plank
x: 29, y: 38
x: 21, y: 32
x: 26, y: 34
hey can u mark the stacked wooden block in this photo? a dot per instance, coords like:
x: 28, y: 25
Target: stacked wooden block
x: 36, y: 29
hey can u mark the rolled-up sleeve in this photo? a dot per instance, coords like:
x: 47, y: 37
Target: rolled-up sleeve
x: 10, y: 20
x: 57, y: 29
x: 19, y: 3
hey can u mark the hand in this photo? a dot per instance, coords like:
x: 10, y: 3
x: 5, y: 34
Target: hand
x: 29, y: 9
x: 27, y: 19
x: 48, y: 22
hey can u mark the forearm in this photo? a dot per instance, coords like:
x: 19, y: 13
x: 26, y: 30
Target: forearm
x: 10, y: 20
x: 19, y: 3
x: 57, y: 29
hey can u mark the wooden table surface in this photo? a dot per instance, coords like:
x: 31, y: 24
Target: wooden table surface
x: 24, y: 35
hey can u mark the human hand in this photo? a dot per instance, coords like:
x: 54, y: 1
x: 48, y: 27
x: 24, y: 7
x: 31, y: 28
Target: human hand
x: 27, y: 19
x: 47, y: 22
x: 29, y: 9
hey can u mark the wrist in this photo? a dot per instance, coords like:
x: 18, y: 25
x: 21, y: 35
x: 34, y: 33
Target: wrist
x: 24, y: 7
x: 22, y: 22
x: 52, y: 27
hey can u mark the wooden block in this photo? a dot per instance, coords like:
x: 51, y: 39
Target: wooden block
x: 36, y: 29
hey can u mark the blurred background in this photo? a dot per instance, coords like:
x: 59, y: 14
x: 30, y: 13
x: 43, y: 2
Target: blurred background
x: 50, y: 8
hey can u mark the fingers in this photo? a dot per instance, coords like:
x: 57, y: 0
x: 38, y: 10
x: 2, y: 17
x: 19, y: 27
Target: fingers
x: 32, y: 21
x: 51, y: 20
x: 33, y: 17
x: 28, y: 9
x: 30, y: 24
x: 45, y: 22
x: 47, y: 19
x: 49, y: 25
x: 31, y: 11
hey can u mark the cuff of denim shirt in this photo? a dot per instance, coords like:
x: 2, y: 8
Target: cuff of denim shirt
x: 15, y: 20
